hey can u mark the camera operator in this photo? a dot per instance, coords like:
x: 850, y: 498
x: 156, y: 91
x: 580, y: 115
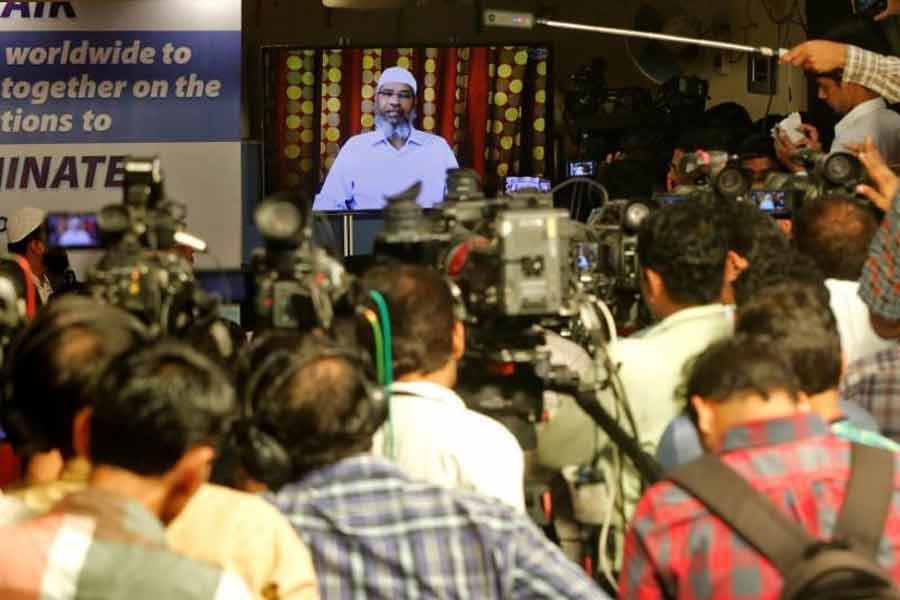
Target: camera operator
x: 373, y: 531
x: 864, y: 112
x: 430, y: 432
x: 758, y: 159
x: 170, y: 405
x: 26, y: 235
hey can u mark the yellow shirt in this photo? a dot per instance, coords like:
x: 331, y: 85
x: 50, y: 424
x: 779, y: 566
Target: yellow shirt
x: 245, y: 534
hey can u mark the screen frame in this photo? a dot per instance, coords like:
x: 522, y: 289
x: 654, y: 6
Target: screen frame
x: 265, y: 123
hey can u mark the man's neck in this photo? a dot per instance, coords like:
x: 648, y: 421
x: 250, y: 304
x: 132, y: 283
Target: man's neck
x: 147, y: 491
x: 36, y: 265
x: 827, y: 405
x: 445, y: 376
x: 863, y: 96
x: 670, y: 308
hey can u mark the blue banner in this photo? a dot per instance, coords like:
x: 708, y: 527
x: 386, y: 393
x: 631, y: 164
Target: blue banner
x: 119, y: 86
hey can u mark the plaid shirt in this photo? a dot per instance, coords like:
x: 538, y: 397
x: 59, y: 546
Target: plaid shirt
x: 881, y: 74
x: 874, y: 384
x: 879, y: 286
x: 376, y: 534
x: 98, y: 545
x: 676, y: 548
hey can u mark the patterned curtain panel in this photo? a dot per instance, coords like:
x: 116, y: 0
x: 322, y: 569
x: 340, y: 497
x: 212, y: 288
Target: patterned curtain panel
x: 489, y: 103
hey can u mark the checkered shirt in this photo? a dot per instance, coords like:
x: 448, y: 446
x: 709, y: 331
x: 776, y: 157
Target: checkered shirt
x: 675, y: 548
x: 100, y: 546
x: 879, y: 286
x: 879, y: 73
x: 376, y: 534
x: 874, y: 384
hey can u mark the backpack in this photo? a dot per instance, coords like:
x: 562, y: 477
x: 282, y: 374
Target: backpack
x: 843, y: 568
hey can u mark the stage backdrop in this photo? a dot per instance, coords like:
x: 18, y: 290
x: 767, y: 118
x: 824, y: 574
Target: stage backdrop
x: 489, y: 103
x: 85, y: 83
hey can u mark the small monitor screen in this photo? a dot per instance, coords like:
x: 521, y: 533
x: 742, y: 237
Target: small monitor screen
x: 352, y: 126
x: 73, y: 231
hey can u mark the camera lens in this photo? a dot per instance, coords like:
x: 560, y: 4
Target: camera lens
x: 732, y: 182
x: 842, y: 169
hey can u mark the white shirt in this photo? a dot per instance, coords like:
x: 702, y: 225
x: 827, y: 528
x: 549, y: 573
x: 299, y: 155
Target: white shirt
x: 437, y: 439
x: 43, y: 287
x: 858, y: 339
x: 368, y: 168
x: 871, y: 118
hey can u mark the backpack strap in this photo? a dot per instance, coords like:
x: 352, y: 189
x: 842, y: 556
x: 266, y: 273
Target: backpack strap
x: 867, y: 501
x: 745, y: 510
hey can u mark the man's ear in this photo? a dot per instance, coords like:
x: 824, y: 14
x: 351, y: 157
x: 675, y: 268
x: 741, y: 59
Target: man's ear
x: 705, y: 418
x: 459, y: 340
x: 81, y: 433
x: 184, y: 479
x: 654, y: 282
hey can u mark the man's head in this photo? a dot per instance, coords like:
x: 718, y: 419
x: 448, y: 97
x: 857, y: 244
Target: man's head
x: 395, y: 101
x: 835, y: 231
x: 842, y: 96
x: 750, y: 235
x: 797, y: 316
x: 428, y: 339
x: 784, y: 264
x: 314, y: 399
x: 159, y: 414
x: 739, y: 380
x: 758, y: 158
x: 53, y: 369
x: 26, y: 235
x: 682, y: 253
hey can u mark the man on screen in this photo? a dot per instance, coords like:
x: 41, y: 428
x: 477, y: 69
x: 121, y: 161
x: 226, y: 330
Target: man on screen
x: 391, y: 158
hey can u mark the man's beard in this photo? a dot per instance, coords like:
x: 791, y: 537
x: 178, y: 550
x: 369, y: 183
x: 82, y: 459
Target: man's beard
x: 399, y: 130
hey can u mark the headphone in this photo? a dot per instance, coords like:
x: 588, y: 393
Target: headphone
x: 261, y: 454
x: 52, y: 322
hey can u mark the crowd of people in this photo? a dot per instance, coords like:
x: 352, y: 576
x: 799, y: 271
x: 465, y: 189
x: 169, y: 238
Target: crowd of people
x: 153, y: 469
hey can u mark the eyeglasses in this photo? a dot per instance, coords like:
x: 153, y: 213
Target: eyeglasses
x: 403, y: 96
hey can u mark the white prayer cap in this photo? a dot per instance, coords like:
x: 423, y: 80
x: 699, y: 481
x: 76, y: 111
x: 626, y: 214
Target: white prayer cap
x: 22, y: 222
x: 398, y: 75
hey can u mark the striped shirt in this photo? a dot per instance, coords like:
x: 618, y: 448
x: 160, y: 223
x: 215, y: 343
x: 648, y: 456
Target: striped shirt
x: 879, y: 73
x: 376, y: 534
x: 101, y: 546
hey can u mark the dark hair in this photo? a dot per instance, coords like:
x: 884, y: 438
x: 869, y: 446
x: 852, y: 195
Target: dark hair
x: 421, y: 309
x: 687, y: 249
x: 730, y: 118
x: 54, y: 366
x: 156, y: 403
x: 758, y: 145
x: 704, y: 139
x: 798, y: 317
x: 317, y: 401
x: 770, y: 267
x: 739, y: 365
x: 21, y: 247
x: 836, y: 231
x: 860, y: 32
x: 629, y: 178
x: 748, y: 231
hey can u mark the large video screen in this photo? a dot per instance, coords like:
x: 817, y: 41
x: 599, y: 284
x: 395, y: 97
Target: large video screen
x: 348, y: 127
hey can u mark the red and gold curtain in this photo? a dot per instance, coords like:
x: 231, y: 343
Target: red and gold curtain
x: 489, y: 103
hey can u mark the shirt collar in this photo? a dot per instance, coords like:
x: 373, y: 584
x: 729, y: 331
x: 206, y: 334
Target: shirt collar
x: 429, y: 390
x: 120, y: 512
x: 415, y: 137
x: 774, y: 431
x: 349, y: 470
x: 687, y: 315
x: 859, y: 111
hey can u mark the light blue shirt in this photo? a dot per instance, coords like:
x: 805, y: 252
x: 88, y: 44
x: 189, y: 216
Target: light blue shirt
x: 873, y: 118
x: 368, y: 168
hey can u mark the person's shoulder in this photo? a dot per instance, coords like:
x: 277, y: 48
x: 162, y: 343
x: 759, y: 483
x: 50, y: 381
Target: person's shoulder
x: 663, y: 507
x: 367, y: 138
x: 430, y: 139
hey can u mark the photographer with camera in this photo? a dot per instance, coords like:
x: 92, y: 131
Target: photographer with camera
x: 26, y: 235
x: 430, y: 432
x: 864, y: 112
x: 374, y: 532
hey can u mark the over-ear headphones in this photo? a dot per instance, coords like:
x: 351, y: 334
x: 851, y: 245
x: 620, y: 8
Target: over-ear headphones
x: 262, y: 454
x: 18, y: 405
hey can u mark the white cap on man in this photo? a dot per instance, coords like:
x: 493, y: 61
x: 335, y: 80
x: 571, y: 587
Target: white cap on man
x: 398, y: 75
x: 23, y: 222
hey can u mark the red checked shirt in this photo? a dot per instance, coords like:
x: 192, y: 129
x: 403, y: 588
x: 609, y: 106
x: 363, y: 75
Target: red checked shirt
x: 676, y: 549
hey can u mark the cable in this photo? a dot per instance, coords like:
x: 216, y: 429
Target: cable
x: 610, y: 321
x: 612, y: 492
x: 586, y: 180
x: 370, y: 316
x: 387, y: 362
